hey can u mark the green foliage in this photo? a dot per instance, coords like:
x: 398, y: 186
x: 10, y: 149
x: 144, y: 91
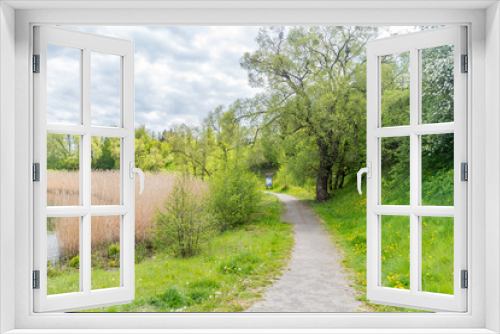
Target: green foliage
x: 345, y: 218
x: 395, y: 171
x: 74, y: 262
x: 50, y: 270
x: 184, y: 223
x: 242, y: 264
x: 199, y: 276
x: 437, y: 187
x: 151, y: 152
x: 170, y: 298
x: 395, y: 90
x: 205, y: 284
x: 234, y: 195
x: 315, y: 93
x: 63, y: 151
x: 197, y: 296
x: 438, y: 84
x: 114, y: 251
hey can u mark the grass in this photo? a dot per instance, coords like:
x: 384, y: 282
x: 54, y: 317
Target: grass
x: 227, y: 276
x: 304, y: 193
x: 344, y: 216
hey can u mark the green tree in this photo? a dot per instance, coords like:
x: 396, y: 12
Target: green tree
x: 315, y: 77
x: 63, y: 151
x: 234, y: 194
x: 151, y: 153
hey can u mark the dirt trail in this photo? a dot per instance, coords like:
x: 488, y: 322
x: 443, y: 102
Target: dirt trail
x: 314, y: 280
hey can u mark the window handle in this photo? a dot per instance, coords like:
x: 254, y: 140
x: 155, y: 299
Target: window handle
x: 133, y: 170
x: 368, y: 171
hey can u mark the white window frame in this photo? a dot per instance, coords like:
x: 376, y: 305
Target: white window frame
x: 415, y: 211
x: 483, y: 211
x: 85, y: 298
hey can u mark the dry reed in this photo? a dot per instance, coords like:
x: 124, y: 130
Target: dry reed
x: 63, y: 190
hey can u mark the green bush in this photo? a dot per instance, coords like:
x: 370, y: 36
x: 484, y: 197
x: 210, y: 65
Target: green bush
x: 74, y: 262
x: 185, y: 222
x: 114, y: 251
x: 234, y: 195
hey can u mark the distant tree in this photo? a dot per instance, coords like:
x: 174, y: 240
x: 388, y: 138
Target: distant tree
x: 151, y: 153
x: 63, y: 151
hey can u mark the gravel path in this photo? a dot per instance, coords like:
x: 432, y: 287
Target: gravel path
x: 314, y: 280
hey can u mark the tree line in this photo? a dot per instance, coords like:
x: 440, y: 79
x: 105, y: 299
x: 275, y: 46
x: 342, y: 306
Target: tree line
x: 310, y: 121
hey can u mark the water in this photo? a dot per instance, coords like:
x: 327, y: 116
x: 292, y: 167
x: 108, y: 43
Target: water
x: 53, y: 251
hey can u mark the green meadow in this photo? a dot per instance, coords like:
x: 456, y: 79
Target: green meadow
x: 226, y: 276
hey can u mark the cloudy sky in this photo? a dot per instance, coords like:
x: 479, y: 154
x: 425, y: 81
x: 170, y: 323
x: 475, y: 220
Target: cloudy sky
x: 181, y: 73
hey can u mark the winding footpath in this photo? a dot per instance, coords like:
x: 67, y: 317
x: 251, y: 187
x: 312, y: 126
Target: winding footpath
x: 314, y: 280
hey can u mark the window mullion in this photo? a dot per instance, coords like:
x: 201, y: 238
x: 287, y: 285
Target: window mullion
x: 85, y: 167
x: 414, y: 172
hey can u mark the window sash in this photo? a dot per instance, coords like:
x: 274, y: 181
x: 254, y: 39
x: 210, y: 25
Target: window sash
x: 414, y: 298
x: 86, y: 297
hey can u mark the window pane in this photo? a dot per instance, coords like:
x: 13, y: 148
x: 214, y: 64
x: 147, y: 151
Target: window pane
x: 395, y: 77
x: 395, y: 171
x: 395, y: 252
x: 437, y: 254
x: 63, y: 170
x: 105, y: 171
x: 105, y: 89
x: 105, y: 252
x: 63, y: 255
x: 437, y: 84
x: 63, y: 85
x: 437, y: 169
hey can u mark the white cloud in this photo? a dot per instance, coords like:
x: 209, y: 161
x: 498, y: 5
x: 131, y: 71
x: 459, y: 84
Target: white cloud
x: 181, y: 73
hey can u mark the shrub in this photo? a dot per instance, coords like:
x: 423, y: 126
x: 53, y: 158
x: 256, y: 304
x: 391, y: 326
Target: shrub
x: 185, y: 223
x: 114, y: 251
x: 235, y: 195
x: 74, y: 262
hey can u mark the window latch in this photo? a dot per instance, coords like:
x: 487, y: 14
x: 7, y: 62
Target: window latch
x: 368, y: 171
x: 133, y: 170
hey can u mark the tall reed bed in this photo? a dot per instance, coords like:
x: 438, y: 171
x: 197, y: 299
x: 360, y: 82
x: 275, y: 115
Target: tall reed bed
x: 63, y: 189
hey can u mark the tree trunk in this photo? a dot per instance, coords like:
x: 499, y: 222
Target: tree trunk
x: 324, y: 169
x: 342, y: 178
